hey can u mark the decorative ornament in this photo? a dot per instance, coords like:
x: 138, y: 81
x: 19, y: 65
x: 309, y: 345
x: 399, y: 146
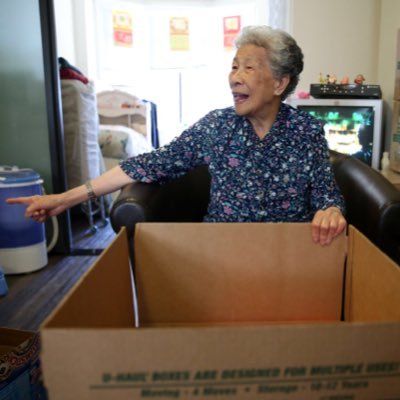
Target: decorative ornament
x: 359, y: 79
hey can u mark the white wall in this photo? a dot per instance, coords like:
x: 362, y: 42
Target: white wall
x: 339, y: 37
x: 348, y: 37
x: 75, y: 34
x: 65, y: 30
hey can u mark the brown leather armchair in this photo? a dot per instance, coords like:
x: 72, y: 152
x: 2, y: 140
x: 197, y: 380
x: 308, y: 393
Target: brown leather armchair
x: 372, y: 202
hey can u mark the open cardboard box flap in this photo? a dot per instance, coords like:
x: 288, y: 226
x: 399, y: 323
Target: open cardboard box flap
x: 372, y: 291
x: 205, y: 273
x: 229, y: 291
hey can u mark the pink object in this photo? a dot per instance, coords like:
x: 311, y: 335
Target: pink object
x: 303, y: 95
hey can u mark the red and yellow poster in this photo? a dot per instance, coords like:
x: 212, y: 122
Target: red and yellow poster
x: 122, y: 28
x: 179, y: 33
x: 231, y: 30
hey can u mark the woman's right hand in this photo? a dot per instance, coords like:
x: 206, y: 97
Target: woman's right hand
x: 39, y: 208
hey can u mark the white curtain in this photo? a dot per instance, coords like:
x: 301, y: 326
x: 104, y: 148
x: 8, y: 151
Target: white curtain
x: 278, y: 11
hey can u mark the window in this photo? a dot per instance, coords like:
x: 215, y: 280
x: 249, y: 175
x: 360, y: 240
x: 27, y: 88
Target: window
x: 174, y: 53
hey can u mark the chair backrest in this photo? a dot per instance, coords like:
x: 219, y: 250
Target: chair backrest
x: 372, y: 202
x: 182, y: 200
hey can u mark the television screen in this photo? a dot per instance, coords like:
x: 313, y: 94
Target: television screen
x: 348, y: 129
x: 352, y: 126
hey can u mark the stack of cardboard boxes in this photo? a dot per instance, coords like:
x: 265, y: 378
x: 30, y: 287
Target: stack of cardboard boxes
x: 395, y: 143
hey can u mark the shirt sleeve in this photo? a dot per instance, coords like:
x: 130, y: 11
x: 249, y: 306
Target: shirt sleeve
x: 174, y: 159
x: 324, y: 190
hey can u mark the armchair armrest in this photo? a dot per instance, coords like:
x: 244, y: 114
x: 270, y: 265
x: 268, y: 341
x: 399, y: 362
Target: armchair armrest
x: 182, y: 200
x: 372, y: 202
x: 131, y: 205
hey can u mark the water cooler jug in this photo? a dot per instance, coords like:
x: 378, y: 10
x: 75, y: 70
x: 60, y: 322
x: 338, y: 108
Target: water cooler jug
x: 22, y: 241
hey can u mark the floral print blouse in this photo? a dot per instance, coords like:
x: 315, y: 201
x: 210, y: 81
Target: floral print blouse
x: 284, y: 177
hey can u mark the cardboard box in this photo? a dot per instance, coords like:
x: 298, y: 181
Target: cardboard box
x: 395, y: 138
x: 229, y: 311
x: 20, y: 372
x: 397, y: 74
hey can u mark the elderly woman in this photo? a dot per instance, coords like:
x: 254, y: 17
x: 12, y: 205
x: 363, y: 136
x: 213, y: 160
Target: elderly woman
x: 268, y: 161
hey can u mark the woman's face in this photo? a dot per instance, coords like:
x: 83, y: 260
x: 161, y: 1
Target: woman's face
x: 252, y: 83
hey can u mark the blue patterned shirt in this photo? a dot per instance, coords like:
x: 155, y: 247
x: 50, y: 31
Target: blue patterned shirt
x: 284, y: 177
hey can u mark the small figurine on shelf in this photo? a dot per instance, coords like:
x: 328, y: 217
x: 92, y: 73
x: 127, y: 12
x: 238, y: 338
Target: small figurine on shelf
x: 332, y: 79
x: 321, y: 79
x: 345, y: 80
x: 359, y: 79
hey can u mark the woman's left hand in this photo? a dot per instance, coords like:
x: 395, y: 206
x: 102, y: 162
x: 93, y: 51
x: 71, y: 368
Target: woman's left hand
x: 326, y: 225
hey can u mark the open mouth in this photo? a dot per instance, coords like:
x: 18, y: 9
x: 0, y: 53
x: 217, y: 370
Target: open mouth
x: 239, y: 97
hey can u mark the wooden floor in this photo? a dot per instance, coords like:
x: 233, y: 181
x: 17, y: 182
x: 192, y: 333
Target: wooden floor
x: 34, y: 295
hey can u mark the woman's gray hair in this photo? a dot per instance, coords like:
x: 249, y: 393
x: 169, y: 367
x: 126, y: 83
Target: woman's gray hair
x: 285, y: 56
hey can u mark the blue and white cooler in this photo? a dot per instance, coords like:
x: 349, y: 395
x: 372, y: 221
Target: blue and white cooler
x: 22, y: 241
